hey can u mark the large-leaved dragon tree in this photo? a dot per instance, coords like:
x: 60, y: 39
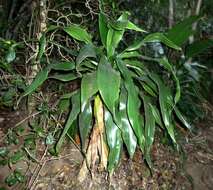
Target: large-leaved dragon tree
x: 121, y: 100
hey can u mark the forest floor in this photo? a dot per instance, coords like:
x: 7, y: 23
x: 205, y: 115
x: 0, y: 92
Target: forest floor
x: 192, y: 169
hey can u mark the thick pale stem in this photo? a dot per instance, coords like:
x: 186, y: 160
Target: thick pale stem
x: 97, y: 146
x: 99, y: 115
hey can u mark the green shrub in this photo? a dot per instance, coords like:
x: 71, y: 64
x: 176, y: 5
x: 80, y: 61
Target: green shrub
x: 120, y: 100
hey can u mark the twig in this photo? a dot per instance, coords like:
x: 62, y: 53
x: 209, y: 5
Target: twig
x: 37, y: 171
x: 31, y: 156
x: 28, y: 117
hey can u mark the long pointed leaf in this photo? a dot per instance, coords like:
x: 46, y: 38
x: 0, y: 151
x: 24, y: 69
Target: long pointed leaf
x: 181, y: 31
x: 113, y: 39
x: 89, y: 87
x: 108, y: 84
x: 165, y: 100
x: 72, y: 116
x: 114, y: 35
x: 156, y: 115
x: 78, y: 33
x: 132, y: 26
x: 131, y: 54
x: 114, y: 141
x: 63, y: 66
x: 149, y: 128
x: 87, y: 51
x: 65, y: 77
x: 198, y: 47
x: 39, y: 79
x: 182, y: 118
x: 135, y: 46
x: 133, y: 104
x: 168, y: 66
x: 128, y: 135
x: 103, y: 29
x: 159, y: 37
x: 85, y: 119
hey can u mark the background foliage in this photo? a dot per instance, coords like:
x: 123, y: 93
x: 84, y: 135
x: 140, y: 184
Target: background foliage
x: 146, y: 73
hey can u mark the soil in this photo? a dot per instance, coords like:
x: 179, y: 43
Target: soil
x: 191, y: 170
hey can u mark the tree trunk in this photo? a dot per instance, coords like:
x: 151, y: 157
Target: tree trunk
x: 194, y: 26
x: 39, y: 27
x: 171, y: 13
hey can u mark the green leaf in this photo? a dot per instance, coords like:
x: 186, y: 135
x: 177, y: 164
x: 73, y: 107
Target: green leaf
x: 182, y: 118
x: 165, y: 100
x: 78, y: 33
x: 103, y: 29
x: 108, y: 84
x: 118, y: 25
x: 49, y: 139
x: 3, y: 151
x: 52, y: 28
x: 128, y: 135
x: 68, y: 95
x: 11, y: 180
x: 148, y: 85
x: 124, y: 16
x: 149, y: 128
x: 87, y: 66
x: 39, y: 131
x: 39, y: 80
x: 181, y: 31
x: 73, y: 130
x: 63, y: 66
x: 159, y: 37
x: 115, y: 33
x: 148, y: 89
x: 132, y: 26
x: 72, y: 116
x: 89, y: 87
x: 64, y: 104
x: 42, y: 45
x: 131, y: 54
x: 135, y: 64
x: 133, y: 104
x: 114, y: 141
x: 19, y: 176
x: 164, y: 61
x: 156, y: 115
x: 11, y: 55
x: 113, y: 39
x: 198, y: 47
x: 29, y: 141
x: 65, y: 77
x: 87, y: 51
x: 85, y: 125
x: 19, y: 155
x: 135, y: 46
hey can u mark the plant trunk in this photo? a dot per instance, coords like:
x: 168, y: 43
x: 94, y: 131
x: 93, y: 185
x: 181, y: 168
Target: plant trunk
x: 97, y: 146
